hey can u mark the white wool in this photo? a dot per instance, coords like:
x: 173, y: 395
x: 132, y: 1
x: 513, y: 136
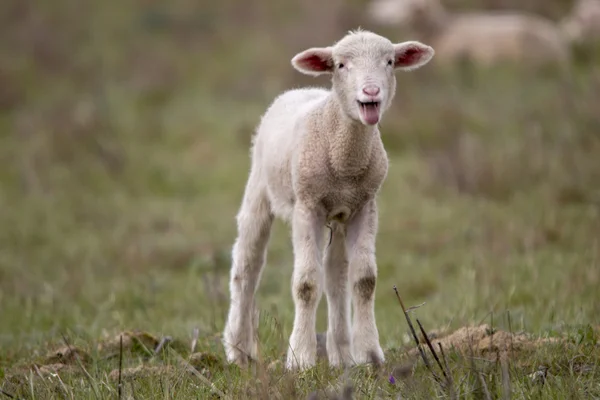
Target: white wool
x: 318, y: 159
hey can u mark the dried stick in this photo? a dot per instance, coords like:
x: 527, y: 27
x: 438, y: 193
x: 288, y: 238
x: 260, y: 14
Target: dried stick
x: 120, y: 385
x: 432, y: 349
x: 412, y: 330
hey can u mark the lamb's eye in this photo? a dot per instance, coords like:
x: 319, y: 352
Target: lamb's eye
x: 389, y: 62
x: 340, y: 65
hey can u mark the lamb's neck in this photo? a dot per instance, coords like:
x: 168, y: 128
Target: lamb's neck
x: 349, y: 142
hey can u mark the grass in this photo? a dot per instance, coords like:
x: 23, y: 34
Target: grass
x: 124, y: 141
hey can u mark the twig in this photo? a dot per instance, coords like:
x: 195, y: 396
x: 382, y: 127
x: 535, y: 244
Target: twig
x: 491, y: 332
x: 432, y: 349
x: 80, y: 364
x: 119, y: 385
x: 510, y: 331
x: 412, y: 330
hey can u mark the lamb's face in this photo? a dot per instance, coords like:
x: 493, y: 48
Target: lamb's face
x: 363, y: 66
x: 363, y: 76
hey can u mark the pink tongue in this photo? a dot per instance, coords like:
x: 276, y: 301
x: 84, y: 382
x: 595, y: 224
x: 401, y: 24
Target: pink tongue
x: 370, y: 114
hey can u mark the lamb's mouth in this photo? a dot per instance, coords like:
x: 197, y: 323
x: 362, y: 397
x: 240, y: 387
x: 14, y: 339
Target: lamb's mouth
x: 369, y: 111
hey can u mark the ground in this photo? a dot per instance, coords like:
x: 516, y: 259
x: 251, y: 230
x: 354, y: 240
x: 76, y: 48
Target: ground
x: 125, y: 140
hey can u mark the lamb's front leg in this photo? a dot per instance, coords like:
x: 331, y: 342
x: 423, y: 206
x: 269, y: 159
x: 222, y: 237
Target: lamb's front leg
x: 338, y: 298
x: 362, y: 231
x: 307, y: 237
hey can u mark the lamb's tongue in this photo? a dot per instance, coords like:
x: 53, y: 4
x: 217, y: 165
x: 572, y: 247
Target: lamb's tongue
x: 370, y: 113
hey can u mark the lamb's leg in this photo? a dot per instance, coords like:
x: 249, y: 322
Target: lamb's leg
x: 338, y: 299
x: 363, y: 276
x: 307, y: 237
x: 248, y: 257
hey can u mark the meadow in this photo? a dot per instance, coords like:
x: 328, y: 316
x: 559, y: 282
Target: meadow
x: 124, y: 143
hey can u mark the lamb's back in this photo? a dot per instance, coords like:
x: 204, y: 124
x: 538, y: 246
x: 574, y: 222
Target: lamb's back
x: 277, y: 138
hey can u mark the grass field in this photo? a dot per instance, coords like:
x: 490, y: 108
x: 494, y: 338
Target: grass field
x: 125, y: 149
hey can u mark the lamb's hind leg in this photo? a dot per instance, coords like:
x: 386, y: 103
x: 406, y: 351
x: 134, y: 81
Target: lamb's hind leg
x: 338, y: 298
x: 248, y: 257
x: 363, y: 276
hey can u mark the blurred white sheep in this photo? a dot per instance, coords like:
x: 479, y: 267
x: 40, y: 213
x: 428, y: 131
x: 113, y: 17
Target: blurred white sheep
x: 485, y: 38
x: 582, y: 24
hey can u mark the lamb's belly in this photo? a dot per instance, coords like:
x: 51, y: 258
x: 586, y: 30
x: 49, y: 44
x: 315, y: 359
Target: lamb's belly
x: 282, y: 201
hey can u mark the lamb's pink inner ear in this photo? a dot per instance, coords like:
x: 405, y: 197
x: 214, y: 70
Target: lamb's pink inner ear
x: 314, y: 61
x: 412, y: 55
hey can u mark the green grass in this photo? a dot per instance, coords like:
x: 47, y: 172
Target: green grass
x: 125, y: 151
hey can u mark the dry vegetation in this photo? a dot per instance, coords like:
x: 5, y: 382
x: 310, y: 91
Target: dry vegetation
x: 124, y: 143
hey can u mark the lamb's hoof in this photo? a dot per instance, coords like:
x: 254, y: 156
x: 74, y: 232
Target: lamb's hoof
x: 241, y: 354
x: 369, y: 356
x: 338, y: 354
x: 300, y: 361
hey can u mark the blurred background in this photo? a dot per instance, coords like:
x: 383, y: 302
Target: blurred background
x: 124, y: 142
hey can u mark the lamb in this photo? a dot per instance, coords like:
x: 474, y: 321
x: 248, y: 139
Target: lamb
x: 582, y: 25
x: 484, y: 38
x: 317, y: 160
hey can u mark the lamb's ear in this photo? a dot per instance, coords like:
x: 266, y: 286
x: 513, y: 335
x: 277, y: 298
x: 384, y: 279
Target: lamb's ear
x: 412, y: 55
x: 315, y: 61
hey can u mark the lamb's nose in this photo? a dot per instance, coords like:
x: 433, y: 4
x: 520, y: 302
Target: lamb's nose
x: 371, y: 90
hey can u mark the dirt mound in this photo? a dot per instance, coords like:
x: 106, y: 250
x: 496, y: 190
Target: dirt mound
x: 132, y: 341
x: 141, y: 371
x: 483, y: 340
x: 66, y: 355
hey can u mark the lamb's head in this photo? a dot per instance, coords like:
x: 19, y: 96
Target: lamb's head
x: 362, y: 66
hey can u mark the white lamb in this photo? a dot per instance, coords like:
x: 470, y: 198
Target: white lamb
x: 486, y: 38
x: 318, y: 159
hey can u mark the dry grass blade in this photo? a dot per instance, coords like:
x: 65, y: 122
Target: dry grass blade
x: 163, y: 341
x: 414, y: 334
x: 10, y: 396
x: 204, y: 380
x: 195, y: 335
x: 120, y: 385
x: 450, y: 379
x: 506, y: 389
x: 486, y: 391
x: 39, y: 373
x: 412, y: 308
x: 80, y: 364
